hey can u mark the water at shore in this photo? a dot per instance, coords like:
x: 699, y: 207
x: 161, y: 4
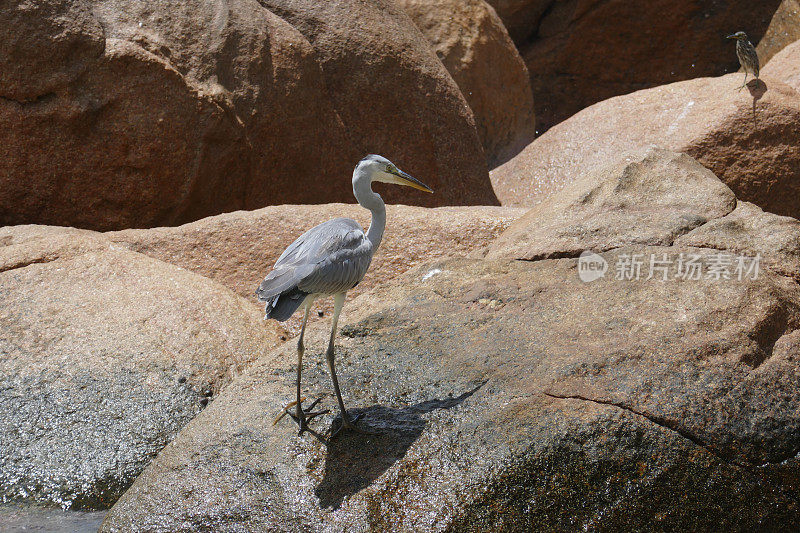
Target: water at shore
x: 18, y: 519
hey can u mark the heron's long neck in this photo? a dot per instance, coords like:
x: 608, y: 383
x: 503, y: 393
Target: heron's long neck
x: 362, y: 189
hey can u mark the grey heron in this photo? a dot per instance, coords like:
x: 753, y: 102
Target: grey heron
x: 328, y: 260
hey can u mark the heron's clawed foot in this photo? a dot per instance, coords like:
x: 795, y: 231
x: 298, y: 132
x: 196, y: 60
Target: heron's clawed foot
x: 300, y: 415
x: 350, y: 425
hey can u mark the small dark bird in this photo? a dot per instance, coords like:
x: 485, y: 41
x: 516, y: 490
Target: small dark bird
x: 748, y: 58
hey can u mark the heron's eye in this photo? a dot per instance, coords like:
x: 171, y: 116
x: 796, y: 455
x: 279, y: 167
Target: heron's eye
x: 391, y: 169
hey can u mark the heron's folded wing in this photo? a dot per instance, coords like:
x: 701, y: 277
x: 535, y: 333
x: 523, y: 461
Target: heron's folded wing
x: 340, y: 272
x: 318, y: 243
x: 329, y: 258
x: 281, y: 280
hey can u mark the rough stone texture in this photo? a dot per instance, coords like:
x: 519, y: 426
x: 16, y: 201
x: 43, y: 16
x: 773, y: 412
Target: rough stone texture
x: 129, y: 144
x: 33, y: 233
x: 747, y: 138
x: 688, y: 424
x: 650, y: 198
x: 45, y: 45
x: 580, y: 52
x: 473, y: 44
x: 23, y: 245
x: 167, y: 111
x: 394, y: 97
x: 104, y: 356
x: 237, y: 249
x: 510, y: 395
x: 783, y: 30
x: 785, y: 66
x: 750, y: 231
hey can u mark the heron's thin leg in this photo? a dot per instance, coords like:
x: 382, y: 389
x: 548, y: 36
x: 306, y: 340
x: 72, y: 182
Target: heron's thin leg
x: 347, y: 422
x: 300, y: 351
x: 301, y: 417
x: 744, y: 83
x: 338, y: 302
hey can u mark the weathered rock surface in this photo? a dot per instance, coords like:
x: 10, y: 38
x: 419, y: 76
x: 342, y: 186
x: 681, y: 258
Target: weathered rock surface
x: 33, y: 233
x: 783, y: 30
x: 473, y: 44
x: 128, y: 144
x: 51, y: 44
x: 748, y: 139
x: 785, y: 66
x: 750, y: 231
x: 104, y: 355
x: 237, y: 249
x: 580, y: 52
x: 511, y: 395
x: 394, y: 97
x: 164, y: 112
x: 23, y: 245
x: 649, y: 198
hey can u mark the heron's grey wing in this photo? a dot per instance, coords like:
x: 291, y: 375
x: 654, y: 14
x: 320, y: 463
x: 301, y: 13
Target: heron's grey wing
x: 281, y: 280
x: 341, y: 270
x: 325, y: 259
x: 319, y: 242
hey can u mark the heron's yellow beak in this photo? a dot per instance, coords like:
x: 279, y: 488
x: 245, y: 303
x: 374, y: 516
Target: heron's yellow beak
x: 410, y: 181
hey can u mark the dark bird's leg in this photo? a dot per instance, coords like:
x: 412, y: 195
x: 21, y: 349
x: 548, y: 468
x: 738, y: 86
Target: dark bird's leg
x: 301, y: 417
x: 744, y: 84
x: 347, y: 422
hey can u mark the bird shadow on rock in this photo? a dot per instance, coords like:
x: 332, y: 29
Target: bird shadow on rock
x: 355, y: 460
x: 757, y: 89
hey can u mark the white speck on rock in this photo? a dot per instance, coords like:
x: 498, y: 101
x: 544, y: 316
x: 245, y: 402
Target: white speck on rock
x: 684, y: 112
x: 431, y: 273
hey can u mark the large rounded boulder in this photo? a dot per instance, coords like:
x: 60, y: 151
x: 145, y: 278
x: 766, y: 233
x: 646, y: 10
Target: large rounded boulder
x: 783, y: 30
x: 166, y: 112
x: 473, y: 44
x: 516, y: 394
x: 746, y: 136
x: 105, y: 354
x: 785, y: 66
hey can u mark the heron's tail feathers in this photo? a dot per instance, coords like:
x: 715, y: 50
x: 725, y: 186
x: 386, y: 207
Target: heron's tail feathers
x: 284, y: 305
x: 279, y: 291
x: 277, y: 282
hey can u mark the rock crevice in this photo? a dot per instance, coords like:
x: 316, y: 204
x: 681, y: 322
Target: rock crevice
x: 671, y: 425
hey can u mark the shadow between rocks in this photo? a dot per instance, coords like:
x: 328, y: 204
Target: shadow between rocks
x: 355, y: 460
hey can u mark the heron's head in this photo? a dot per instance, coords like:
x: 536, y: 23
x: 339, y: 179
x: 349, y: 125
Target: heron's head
x: 739, y: 36
x: 378, y: 168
